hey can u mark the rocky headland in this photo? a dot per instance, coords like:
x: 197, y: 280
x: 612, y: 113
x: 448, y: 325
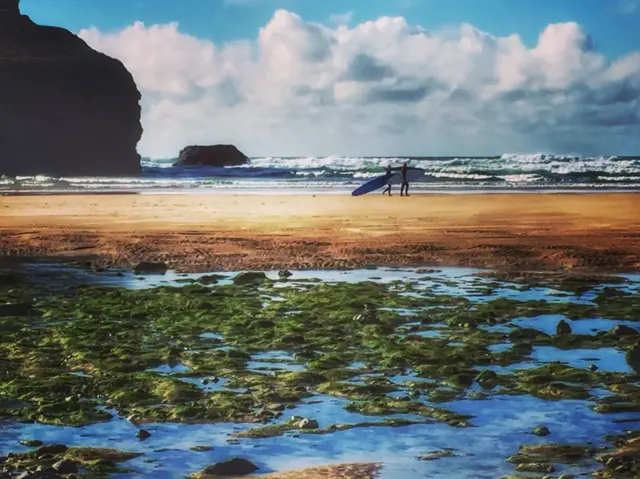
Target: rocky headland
x: 66, y: 108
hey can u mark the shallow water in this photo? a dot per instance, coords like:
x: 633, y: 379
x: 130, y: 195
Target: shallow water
x: 501, y: 423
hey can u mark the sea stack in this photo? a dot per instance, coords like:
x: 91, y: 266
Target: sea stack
x: 65, y: 109
x: 211, y: 155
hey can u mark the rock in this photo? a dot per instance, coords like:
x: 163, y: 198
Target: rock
x: 487, y: 378
x: 209, y: 279
x: 199, y: 448
x: 535, y: 467
x: 31, y: 443
x: 211, y: 155
x: 15, y: 309
x: 307, y: 423
x: 633, y: 357
x: 249, y: 277
x: 51, y: 449
x: 66, y: 466
x: 46, y: 472
x: 593, y: 368
x: 541, y: 431
x: 563, y: 328
x: 285, y: 273
x: 147, y: 267
x: 432, y: 456
x: 28, y: 475
x: 566, y: 476
x: 232, y: 467
x: 620, y: 331
x: 67, y: 110
x: 143, y: 434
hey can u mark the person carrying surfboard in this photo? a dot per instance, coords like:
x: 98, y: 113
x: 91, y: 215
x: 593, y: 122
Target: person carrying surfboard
x: 405, y: 182
x: 389, y: 175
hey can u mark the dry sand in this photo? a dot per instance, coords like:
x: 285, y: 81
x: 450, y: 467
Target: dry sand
x: 596, y: 231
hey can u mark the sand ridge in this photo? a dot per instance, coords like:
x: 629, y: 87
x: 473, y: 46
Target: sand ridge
x: 192, y: 232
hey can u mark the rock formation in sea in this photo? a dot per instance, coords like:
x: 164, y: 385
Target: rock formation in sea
x: 213, y: 155
x: 65, y: 109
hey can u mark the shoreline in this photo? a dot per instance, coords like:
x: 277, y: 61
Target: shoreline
x: 338, y: 190
x: 197, y: 233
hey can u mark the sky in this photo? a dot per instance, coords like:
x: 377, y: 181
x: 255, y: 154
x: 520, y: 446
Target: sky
x: 374, y: 77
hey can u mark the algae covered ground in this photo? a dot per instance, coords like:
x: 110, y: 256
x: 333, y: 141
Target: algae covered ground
x: 433, y: 373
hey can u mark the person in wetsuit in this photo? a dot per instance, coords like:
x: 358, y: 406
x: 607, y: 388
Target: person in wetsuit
x: 389, y: 175
x: 405, y: 182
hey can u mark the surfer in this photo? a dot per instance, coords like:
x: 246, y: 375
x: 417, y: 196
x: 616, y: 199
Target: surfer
x: 389, y: 175
x: 405, y: 183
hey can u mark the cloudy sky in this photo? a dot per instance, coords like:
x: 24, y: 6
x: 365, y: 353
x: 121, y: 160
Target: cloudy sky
x: 373, y: 77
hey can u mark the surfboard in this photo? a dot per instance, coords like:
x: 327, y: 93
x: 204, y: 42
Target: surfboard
x: 371, y: 185
x: 412, y: 175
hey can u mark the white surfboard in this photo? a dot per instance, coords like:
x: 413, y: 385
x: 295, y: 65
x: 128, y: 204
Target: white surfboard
x: 412, y: 175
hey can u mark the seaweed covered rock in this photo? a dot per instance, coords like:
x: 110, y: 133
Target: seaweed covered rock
x: 633, y: 357
x: 563, y: 328
x: 66, y: 108
x: 249, y: 277
x: 620, y: 331
x: 212, y: 155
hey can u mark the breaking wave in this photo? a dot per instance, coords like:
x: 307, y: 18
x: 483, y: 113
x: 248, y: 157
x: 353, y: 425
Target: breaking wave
x: 508, y: 171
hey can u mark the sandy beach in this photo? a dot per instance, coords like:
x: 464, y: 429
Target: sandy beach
x: 227, y: 232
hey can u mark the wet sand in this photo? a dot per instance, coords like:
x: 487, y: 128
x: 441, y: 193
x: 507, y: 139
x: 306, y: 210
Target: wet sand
x: 192, y: 233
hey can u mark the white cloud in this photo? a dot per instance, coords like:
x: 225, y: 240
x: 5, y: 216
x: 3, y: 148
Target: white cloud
x: 383, y: 87
x: 341, y: 18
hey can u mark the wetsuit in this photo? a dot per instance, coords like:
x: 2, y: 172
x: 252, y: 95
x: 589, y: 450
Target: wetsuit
x: 388, y: 188
x: 405, y: 183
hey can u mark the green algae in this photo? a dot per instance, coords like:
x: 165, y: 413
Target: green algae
x: 276, y: 430
x: 96, y: 462
x: 67, y: 352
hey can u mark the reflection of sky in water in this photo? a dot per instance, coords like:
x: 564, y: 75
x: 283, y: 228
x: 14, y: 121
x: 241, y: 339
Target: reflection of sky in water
x: 167, y: 369
x: 211, y: 336
x: 607, y: 359
x: 500, y: 347
x: 504, y: 421
x: 547, y: 324
x: 274, y: 360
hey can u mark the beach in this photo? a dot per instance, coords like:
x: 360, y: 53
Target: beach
x: 192, y: 232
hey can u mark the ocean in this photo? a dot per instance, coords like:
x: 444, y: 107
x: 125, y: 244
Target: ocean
x: 335, y: 174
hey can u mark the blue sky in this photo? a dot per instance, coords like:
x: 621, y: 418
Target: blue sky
x: 287, y: 78
x: 613, y: 24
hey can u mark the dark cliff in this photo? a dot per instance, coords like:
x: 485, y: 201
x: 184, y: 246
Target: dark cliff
x: 65, y: 109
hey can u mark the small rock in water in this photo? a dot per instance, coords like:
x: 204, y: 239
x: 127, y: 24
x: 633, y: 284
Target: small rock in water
x: 633, y: 357
x: 232, y: 467
x: 143, y: 434
x: 432, y: 456
x: 535, y: 467
x: 148, y: 267
x: 249, y: 277
x: 31, y: 443
x: 541, y: 431
x: 285, y: 273
x: 199, y: 448
x: 307, y: 423
x: 593, y: 368
x: 51, y: 449
x: 563, y: 328
x: 46, y: 472
x: 209, y: 279
x: 66, y: 466
x: 622, y: 330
